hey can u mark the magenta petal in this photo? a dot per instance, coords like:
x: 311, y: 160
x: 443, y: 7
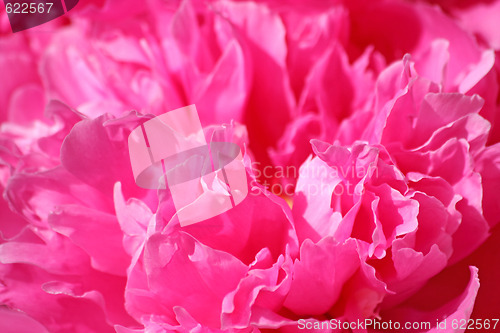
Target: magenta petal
x: 133, y: 216
x: 319, y: 275
x: 231, y: 77
x: 180, y: 271
x: 22, y: 284
x: 59, y: 255
x: 489, y: 167
x: 11, y: 224
x: 35, y: 196
x: 457, y: 307
x: 12, y: 321
x: 262, y: 290
x: 92, y: 155
x: 467, y: 300
x: 99, y: 235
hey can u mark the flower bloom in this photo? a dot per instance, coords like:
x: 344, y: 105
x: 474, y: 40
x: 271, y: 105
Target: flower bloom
x: 388, y: 111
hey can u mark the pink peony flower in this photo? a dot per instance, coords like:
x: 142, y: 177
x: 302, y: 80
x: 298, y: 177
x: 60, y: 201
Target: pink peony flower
x: 370, y: 141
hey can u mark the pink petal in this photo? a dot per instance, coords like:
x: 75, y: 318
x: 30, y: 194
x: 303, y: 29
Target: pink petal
x: 317, y: 276
x: 100, y: 236
x: 18, y: 322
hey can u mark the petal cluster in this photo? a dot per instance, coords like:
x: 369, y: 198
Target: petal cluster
x: 370, y: 139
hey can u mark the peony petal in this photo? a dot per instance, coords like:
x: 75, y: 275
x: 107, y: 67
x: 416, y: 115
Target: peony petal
x: 100, y: 236
x: 317, y: 277
x: 18, y: 322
